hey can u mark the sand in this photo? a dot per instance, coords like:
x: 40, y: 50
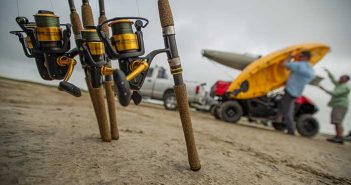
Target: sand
x: 49, y: 137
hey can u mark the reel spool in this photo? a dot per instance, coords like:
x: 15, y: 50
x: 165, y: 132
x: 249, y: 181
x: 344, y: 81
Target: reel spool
x: 94, y: 54
x: 49, y: 45
x: 48, y: 30
x: 123, y: 38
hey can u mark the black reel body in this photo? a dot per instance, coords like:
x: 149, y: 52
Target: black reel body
x: 49, y: 45
x: 127, y: 46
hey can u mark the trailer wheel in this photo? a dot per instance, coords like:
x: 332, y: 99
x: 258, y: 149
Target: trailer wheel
x: 231, y: 111
x: 279, y: 126
x: 307, y: 125
x: 170, y: 101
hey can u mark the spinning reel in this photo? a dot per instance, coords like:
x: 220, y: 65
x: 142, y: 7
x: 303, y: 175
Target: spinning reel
x: 49, y: 45
x: 127, y: 47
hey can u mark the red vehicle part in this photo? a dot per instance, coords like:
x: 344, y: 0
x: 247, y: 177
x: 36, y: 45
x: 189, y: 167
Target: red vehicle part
x: 219, y: 88
x: 303, y: 99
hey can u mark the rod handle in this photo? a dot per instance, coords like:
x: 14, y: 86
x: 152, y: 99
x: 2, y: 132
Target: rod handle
x: 165, y: 12
x: 183, y: 107
x: 110, y: 96
x: 76, y: 23
x: 87, y: 15
x: 102, y: 117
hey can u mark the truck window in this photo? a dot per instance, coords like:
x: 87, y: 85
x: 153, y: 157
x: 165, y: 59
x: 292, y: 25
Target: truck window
x: 162, y: 73
x: 149, y: 73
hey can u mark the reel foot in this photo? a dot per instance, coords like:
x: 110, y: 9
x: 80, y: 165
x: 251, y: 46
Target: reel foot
x: 69, y: 88
x: 122, y: 88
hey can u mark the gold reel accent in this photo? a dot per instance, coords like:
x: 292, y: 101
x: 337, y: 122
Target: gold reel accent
x: 126, y: 42
x: 106, y: 70
x: 29, y: 43
x: 96, y: 48
x: 64, y: 61
x: 49, y: 34
x: 138, y: 66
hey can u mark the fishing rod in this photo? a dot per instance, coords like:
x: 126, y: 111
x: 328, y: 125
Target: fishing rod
x: 167, y: 24
x: 108, y: 83
x: 88, y: 33
x: 49, y: 44
x: 93, y: 80
x: 126, y: 45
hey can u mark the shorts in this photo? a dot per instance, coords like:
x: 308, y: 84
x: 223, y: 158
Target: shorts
x: 338, y: 115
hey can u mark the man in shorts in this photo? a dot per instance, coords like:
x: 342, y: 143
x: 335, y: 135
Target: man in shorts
x: 339, y: 103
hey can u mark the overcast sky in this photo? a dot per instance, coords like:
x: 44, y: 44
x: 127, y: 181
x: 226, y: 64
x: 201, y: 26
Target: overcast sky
x: 251, y: 26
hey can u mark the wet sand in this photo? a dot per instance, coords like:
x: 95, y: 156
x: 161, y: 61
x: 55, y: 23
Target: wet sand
x: 50, y: 137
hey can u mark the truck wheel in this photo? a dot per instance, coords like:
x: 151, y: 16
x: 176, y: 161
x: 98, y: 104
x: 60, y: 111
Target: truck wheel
x: 216, y: 112
x: 307, y: 125
x: 279, y: 126
x: 170, y: 101
x: 231, y: 111
x: 213, y: 109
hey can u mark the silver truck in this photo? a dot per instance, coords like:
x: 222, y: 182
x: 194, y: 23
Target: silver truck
x: 158, y: 85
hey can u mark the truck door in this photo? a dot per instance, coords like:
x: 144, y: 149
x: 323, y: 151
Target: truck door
x: 162, y: 83
x: 146, y: 89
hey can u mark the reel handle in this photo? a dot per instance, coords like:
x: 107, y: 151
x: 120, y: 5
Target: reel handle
x: 137, y: 97
x: 69, y: 88
x: 122, y: 88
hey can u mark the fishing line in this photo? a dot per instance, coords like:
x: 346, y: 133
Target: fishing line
x: 17, y: 8
x: 52, y: 6
x: 137, y: 4
x: 225, y: 72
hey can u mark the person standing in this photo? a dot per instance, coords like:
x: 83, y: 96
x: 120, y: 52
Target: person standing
x: 339, y: 103
x: 301, y: 74
x: 348, y: 137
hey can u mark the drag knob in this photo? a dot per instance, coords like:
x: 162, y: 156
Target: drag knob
x: 122, y: 88
x: 69, y: 88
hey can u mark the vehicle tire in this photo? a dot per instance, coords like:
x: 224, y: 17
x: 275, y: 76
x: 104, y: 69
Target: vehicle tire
x: 213, y: 109
x: 216, y: 112
x: 231, y: 111
x: 170, y: 101
x: 279, y: 126
x: 307, y: 125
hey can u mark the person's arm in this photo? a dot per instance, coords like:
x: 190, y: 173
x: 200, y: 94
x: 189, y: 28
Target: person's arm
x: 292, y: 66
x: 331, y: 76
x: 337, y: 91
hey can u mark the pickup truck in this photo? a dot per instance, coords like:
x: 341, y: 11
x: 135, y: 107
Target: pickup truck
x: 158, y: 85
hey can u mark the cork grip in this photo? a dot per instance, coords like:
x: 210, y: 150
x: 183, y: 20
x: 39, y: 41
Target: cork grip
x: 165, y: 12
x: 110, y: 96
x: 103, y: 18
x: 102, y: 119
x: 93, y: 100
x: 183, y: 106
x: 77, y: 24
x: 87, y: 15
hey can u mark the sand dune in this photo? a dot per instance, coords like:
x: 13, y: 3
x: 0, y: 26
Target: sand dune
x: 49, y: 137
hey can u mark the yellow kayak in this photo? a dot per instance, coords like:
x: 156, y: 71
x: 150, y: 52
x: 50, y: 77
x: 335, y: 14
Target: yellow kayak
x: 268, y: 73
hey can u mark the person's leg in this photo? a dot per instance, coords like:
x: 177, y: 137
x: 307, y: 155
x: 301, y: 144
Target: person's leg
x: 348, y: 137
x: 339, y: 130
x: 337, y: 116
x: 288, y: 105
